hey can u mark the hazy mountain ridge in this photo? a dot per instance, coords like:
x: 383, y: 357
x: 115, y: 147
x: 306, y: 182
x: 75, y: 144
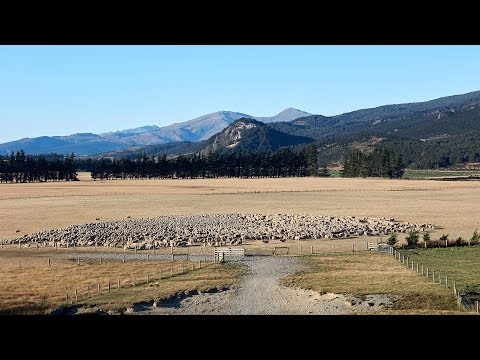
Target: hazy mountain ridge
x: 198, y: 129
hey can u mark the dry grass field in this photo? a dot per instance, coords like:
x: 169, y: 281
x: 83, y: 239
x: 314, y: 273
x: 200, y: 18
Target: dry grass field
x: 453, y: 206
x: 28, y: 208
x: 30, y: 286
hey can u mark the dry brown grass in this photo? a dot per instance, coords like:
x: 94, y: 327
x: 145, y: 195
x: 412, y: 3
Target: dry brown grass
x: 213, y: 276
x: 34, y: 287
x: 365, y: 273
x: 52, y: 205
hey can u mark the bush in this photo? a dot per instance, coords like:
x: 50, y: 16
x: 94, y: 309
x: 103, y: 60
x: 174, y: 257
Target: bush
x: 475, y: 239
x: 426, y: 237
x: 412, y: 239
x: 444, y: 237
x: 392, y: 239
x: 459, y: 242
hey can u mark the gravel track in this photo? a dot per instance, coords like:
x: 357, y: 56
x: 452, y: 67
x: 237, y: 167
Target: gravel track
x: 261, y: 294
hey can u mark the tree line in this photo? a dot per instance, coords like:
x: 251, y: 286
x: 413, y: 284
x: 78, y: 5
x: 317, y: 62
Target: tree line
x: 21, y: 168
x: 378, y: 163
x: 282, y: 163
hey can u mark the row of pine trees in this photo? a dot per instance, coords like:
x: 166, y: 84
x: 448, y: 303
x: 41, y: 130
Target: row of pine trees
x: 378, y: 163
x: 283, y: 163
x: 22, y: 168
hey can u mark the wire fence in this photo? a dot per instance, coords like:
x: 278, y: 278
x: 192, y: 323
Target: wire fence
x: 469, y: 303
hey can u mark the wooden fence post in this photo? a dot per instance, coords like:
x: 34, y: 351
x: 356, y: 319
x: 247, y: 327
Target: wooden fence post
x: 454, y: 288
x: 333, y: 247
x: 477, y: 306
x: 98, y: 288
x: 118, y: 284
x: 66, y: 298
x: 48, y: 261
x: 78, y: 261
x: 199, y: 264
x: 193, y: 265
x: 108, y: 285
x: 366, y: 244
x: 353, y: 247
x: 433, y: 275
x: 427, y: 272
x: 76, y: 295
x: 417, y: 267
x: 422, y: 269
x: 446, y: 281
x: 100, y: 260
x: 311, y: 250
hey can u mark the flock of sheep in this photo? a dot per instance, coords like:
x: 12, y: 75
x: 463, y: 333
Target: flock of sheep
x: 214, y: 230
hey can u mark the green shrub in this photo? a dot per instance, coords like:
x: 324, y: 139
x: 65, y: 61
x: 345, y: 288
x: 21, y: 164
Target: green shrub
x: 412, y: 239
x: 392, y: 239
x: 426, y: 237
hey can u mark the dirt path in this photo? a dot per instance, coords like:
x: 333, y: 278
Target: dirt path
x: 261, y: 294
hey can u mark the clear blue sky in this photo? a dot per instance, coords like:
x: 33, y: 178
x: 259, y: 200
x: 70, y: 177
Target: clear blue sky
x: 59, y: 90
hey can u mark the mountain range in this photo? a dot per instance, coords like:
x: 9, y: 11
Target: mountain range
x: 198, y: 129
x: 430, y: 134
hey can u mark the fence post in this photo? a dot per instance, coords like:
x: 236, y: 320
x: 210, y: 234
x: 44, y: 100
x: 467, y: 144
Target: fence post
x: 108, y: 285
x: 76, y: 295
x: 118, y: 284
x: 123, y: 259
x: 353, y: 247
x: 417, y: 267
x: 422, y: 269
x: 100, y: 260
x: 300, y: 249
x: 412, y: 265
x: 427, y: 272
x: 199, y: 264
x: 193, y: 265
x: 311, y: 250
x: 425, y: 244
x: 454, y: 288
x: 48, y: 261
x: 98, y: 288
x: 333, y: 247
x: 19, y: 245
x: 78, y: 261
x: 446, y: 281
x: 133, y: 280
x: 66, y: 298
x: 433, y: 275
x: 366, y: 244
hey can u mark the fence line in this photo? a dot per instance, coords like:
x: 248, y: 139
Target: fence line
x: 402, y: 258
